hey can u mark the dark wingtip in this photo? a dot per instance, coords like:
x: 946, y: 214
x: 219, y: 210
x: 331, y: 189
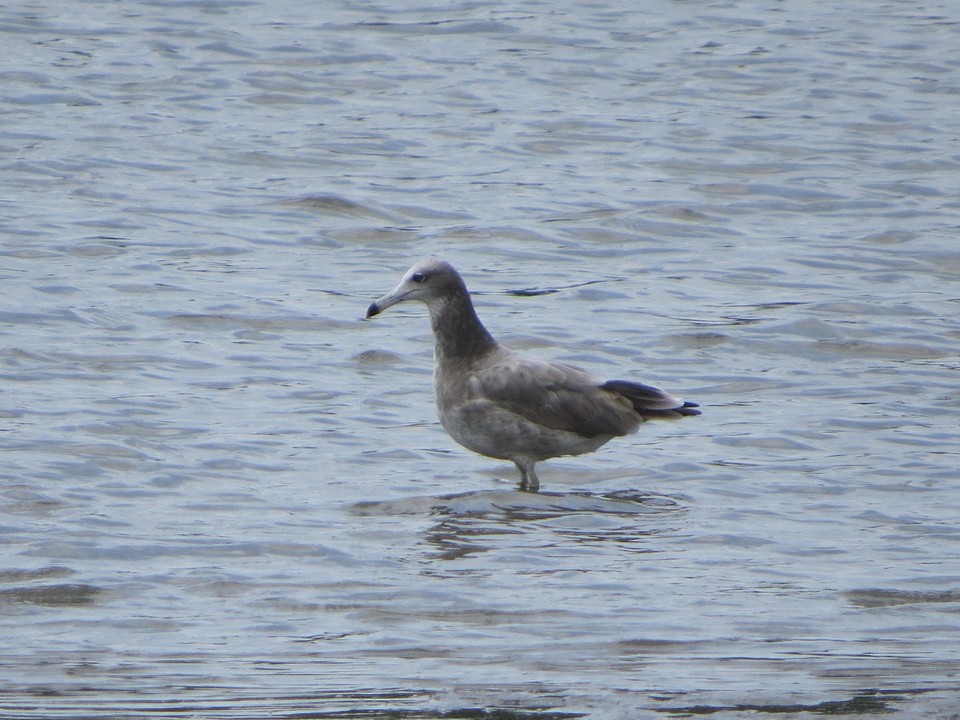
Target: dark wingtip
x: 372, y: 310
x: 651, y: 402
x: 689, y: 408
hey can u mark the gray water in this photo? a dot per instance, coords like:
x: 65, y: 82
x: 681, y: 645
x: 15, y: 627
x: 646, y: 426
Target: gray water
x: 225, y: 495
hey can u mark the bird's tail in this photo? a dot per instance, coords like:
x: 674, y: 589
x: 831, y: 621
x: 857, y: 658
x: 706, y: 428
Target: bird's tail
x: 650, y: 402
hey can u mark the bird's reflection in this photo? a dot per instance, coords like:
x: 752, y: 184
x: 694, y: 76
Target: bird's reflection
x: 470, y: 523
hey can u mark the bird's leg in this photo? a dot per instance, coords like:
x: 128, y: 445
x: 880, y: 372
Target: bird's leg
x: 523, y: 475
x: 528, y: 476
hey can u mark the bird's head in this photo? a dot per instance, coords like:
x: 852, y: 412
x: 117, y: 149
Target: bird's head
x: 429, y: 281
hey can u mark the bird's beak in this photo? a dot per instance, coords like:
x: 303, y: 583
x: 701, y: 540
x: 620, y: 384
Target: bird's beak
x: 397, y: 295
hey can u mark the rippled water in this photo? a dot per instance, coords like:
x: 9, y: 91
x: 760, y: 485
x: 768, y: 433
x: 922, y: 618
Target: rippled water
x: 225, y: 495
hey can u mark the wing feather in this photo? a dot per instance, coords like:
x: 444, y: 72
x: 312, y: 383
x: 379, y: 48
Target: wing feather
x: 560, y: 397
x: 651, y: 402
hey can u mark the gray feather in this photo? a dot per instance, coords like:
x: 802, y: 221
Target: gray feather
x: 556, y: 396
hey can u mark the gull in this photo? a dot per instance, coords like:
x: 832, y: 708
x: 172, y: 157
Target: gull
x: 505, y: 405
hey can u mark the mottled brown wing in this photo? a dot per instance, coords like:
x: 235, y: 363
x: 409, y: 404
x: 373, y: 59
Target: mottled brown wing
x: 556, y: 396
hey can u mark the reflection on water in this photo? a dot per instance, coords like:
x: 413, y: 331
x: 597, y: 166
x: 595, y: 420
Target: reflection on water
x: 472, y: 522
x: 225, y: 495
x: 508, y: 505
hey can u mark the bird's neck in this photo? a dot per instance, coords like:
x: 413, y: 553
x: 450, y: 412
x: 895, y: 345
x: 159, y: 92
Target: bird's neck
x: 458, y: 331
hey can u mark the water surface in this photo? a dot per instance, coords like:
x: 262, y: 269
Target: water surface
x: 225, y: 495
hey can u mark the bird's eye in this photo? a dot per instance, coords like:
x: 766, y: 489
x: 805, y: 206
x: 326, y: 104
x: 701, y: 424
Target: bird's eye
x: 418, y: 277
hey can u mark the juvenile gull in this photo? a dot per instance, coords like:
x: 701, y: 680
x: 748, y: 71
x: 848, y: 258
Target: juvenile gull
x: 501, y: 404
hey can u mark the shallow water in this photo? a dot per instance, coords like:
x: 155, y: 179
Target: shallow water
x: 226, y: 495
